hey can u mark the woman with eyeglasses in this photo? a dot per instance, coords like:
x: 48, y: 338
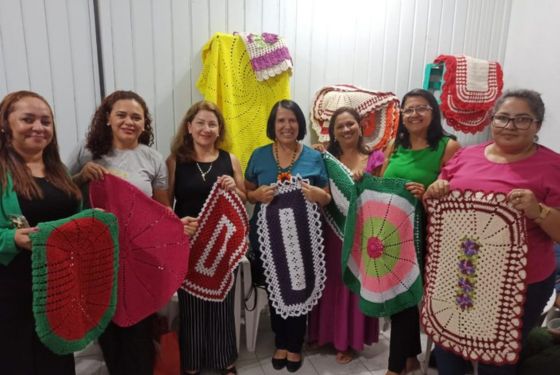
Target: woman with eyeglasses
x: 421, y: 148
x: 515, y: 164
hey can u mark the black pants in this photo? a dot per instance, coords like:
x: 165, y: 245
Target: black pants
x: 288, y: 333
x: 21, y: 351
x: 129, y: 350
x: 405, y: 338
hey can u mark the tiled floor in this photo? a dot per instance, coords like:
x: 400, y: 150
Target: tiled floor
x: 372, y: 361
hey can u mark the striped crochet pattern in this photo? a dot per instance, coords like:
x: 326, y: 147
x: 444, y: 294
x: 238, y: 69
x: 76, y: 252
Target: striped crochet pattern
x: 218, y: 245
x: 475, y: 286
x: 292, y: 251
x: 268, y: 53
x: 342, y: 189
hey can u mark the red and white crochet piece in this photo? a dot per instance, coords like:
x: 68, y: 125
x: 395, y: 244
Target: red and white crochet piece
x: 379, y: 112
x: 475, y: 276
x: 470, y: 88
x: 268, y: 53
x: 218, y: 245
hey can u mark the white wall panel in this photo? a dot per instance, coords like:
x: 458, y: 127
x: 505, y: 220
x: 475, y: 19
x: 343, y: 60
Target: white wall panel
x: 154, y: 47
x: 48, y: 47
x: 532, y: 60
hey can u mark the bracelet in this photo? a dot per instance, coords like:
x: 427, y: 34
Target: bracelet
x: 545, y: 210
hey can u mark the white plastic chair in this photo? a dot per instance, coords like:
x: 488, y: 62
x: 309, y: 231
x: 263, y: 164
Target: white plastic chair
x: 255, y: 300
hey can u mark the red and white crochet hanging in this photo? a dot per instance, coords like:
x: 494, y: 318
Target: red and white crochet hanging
x: 218, y: 245
x: 379, y: 112
x: 470, y: 88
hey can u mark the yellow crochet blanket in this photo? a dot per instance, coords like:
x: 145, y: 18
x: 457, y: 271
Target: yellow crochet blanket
x: 228, y: 80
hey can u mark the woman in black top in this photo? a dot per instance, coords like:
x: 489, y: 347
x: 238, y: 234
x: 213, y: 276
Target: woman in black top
x: 34, y: 188
x: 207, y: 329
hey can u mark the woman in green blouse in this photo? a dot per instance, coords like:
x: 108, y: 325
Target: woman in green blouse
x: 417, y: 154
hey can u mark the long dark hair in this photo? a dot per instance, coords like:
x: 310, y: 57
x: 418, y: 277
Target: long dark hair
x: 333, y: 146
x: 435, y: 129
x: 12, y: 163
x: 182, y: 146
x: 99, y: 139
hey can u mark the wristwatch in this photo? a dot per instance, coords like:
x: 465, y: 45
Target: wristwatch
x: 545, y: 210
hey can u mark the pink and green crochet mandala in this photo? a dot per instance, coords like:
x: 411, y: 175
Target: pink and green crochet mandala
x: 475, y: 276
x: 381, y: 243
x: 74, y: 270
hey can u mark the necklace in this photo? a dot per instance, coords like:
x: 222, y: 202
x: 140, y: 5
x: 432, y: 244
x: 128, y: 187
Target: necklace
x: 284, y: 174
x: 202, y: 173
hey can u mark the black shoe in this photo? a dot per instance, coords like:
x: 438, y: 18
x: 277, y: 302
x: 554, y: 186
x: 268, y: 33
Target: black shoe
x: 229, y: 370
x: 293, y: 366
x: 279, y: 363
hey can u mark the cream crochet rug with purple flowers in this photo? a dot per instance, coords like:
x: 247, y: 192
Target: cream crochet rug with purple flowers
x: 475, y: 276
x: 268, y: 53
x: 291, y: 245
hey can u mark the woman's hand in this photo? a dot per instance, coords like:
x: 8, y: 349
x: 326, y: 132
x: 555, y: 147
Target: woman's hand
x: 226, y: 182
x: 90, y: 172
x: 437, y: 189
x: 524, y: 200
x: 315, y: 194
x: 357, y: 175
x: 190, y: 225
x: 21, y: 238
x: 416, y: 189
x: 264, y: 194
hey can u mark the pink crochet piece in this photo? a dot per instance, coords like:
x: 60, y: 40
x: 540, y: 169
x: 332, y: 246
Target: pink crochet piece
x: 154, y: 250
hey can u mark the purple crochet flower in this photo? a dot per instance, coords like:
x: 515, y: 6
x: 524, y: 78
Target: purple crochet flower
x: 466, y: 267
x: 470, y: 248
x: 269, y: 38
x: 464, y: 301
x: 465, y: 285
x: 250, y: 38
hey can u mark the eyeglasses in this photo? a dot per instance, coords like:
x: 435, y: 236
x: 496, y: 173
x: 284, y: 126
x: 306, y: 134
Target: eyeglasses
x: 521, y: 122
x: 421, y: 110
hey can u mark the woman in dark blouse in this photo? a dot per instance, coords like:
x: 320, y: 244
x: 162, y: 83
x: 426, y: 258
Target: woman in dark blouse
x: 34, y: 188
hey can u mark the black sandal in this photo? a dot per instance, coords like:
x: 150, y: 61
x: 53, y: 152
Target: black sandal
x: 229, y: 370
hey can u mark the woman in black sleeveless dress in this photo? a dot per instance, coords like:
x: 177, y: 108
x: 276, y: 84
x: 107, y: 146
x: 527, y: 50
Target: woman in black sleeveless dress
x: 34, y: 188
x: 207, y: 329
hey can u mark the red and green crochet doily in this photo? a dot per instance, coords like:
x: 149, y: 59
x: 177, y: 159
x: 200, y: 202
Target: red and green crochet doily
x: 74, y: 268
